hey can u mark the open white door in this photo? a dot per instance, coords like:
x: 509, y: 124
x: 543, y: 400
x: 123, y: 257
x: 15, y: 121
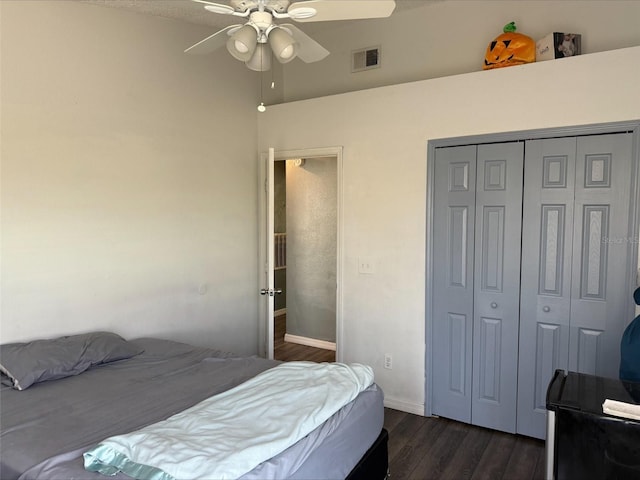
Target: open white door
x: 269, y: 289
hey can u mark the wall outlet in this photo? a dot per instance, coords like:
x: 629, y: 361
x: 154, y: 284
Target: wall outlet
x: 365, y: 265
x: 388, y: 361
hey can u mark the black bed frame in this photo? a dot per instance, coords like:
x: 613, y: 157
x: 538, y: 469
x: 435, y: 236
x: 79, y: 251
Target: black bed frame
x: 374, y: 465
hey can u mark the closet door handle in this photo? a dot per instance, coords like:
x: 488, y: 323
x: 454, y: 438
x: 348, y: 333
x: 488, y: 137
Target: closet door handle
x: 546, y: 309
x: 494, y: 305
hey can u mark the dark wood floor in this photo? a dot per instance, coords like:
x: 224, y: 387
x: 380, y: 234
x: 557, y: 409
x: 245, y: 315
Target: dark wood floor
x: 288, y: 352
x: 425, y: 448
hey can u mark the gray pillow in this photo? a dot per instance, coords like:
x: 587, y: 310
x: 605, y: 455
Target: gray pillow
x: 27, y: 363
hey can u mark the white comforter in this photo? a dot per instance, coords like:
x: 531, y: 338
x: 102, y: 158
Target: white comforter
x: 229, y: 434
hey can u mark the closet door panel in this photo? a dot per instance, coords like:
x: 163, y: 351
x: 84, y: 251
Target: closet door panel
x: 601, y: 295
x: 532, y: 272
x: 497, y: 285
x: 545, y: 299
x: 453, y: 227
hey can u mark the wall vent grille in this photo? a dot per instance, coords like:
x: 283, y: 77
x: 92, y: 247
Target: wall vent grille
x: 365, y: 59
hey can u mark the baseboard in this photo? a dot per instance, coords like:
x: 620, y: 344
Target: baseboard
x: 409, y: 407
x: 280, y: 312
x: 310, y: 342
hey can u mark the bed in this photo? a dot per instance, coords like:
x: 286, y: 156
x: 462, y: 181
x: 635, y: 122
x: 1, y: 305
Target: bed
x: 55, y: 411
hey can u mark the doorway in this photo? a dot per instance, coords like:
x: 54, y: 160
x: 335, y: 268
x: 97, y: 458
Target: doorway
x: 303, y: 199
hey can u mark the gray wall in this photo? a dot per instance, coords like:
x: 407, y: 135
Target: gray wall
x: 434, y: 39
x: 129, y: 199
x: 311, y: 248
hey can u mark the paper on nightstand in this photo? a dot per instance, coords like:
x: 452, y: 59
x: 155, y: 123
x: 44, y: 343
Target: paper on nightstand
x: 621, y: 409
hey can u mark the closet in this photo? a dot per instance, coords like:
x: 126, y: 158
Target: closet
x: 530, y: 262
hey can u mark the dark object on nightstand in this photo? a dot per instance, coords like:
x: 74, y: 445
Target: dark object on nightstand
x: 630, y: 348
x: 582, y: 441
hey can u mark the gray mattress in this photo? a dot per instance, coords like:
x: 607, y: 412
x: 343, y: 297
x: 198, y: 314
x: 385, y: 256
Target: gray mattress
x: 45, y: 429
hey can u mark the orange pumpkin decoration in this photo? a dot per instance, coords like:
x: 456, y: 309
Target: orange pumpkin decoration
x: 510, y: 48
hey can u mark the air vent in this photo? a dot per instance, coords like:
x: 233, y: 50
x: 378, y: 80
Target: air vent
x: 365, y: 59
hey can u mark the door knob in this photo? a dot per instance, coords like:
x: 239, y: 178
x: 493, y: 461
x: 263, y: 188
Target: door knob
x: 546, y: 309
x: 494, y: 305
x: 271, y: 293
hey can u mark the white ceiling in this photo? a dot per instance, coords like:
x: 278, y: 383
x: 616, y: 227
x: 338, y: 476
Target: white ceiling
x: 189, y: 11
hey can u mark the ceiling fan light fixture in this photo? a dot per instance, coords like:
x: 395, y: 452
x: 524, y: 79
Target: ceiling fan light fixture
x: 260, y: 61
x: 243, y: 42
x: 283, y: 45
x: 285, y: 42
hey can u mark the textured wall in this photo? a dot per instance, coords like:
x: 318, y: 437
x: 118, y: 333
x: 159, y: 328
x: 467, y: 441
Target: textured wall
x: 311, y: 248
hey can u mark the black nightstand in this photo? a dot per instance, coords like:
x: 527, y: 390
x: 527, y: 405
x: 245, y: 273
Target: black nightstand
x: 582, y: 441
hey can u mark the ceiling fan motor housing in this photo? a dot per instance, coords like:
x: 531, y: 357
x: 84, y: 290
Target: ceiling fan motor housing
x: 279, y: 6
x: 262, y: 20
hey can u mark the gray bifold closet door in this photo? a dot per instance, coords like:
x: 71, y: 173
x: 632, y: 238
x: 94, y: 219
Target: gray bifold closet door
x: 477, y: 228
x: 531, y: 258
x: 575, y: 292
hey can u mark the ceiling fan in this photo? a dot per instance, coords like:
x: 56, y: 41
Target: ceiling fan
x: 255, y: 41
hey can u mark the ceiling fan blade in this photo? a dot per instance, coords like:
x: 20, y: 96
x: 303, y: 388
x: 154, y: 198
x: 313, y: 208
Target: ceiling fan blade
x: 212, y: 42
x: 340, y: 10
x: 216, y: 7
x: 309, y: 50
